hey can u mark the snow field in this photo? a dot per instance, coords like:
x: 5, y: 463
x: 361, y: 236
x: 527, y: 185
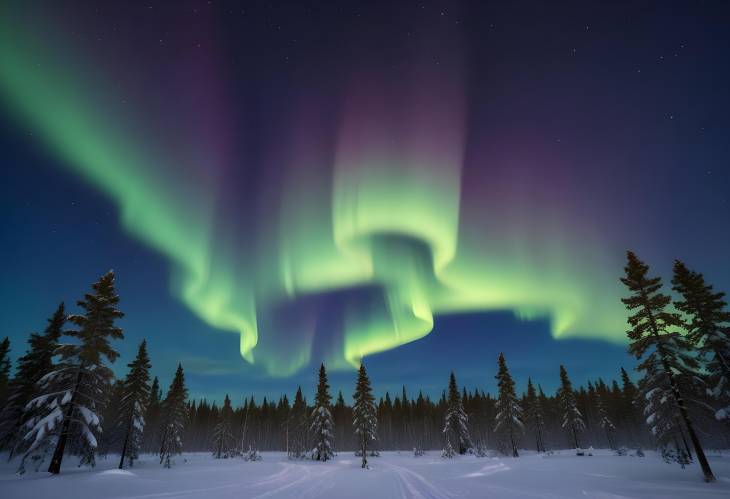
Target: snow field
x: 392, y: 475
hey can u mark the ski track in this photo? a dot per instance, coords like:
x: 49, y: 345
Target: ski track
x: 275, y: 478
x: 416, y: 485
x: 304, y: 476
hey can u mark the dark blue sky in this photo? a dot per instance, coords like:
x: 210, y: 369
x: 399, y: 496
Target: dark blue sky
x: 639, y: 89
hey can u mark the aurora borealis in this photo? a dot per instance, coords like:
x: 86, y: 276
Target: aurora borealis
x: 326, y: 187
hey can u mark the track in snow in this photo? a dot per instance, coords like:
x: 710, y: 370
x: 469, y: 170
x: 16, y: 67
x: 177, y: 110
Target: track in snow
x: 416, y: 485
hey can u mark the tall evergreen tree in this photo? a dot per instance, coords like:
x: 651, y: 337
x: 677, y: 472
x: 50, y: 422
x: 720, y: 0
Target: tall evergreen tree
x: 339, y: 414
x: 322, y: 424
x: 133, y: 407
x: 534, y: 416
x: 34, y: 364
x: 630, y: 405
x: 112, y: 432
x: 708, y: 328
x: 668, y: 366
x: 175, y: 415
x: 604, y: 419
x: 508, y: 420
x: 455, y: 430
x: 572, y: 418
x: 365, y: 414
x: 4, y: 369
x: 223, y: 442
x: 70, y: 395
x: 297, y: 427
x: 151, y: 433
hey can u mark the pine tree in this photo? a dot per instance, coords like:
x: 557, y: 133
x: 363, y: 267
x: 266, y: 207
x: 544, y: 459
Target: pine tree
x: 630, y: 405
x: 604, y: 420
x: 708, y: 329
x: 508, y: 420
x: 669, y: 368
x: 322, y: 424
x: 70, y: 395
x: 365, y: 415
x: 297, y: 426
x: 175, y: 416
x: 150, y: 435
x: 133, y: 407
x: 37, y: 362
x: 339, y: 413
x: 535, y: 416
x: 223, y: 442
x: 4, y: 370
x: 112, y: 433
x: 572, y: 418
x: 455, y: 422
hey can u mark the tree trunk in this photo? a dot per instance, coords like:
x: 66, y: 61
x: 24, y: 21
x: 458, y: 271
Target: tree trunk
x: 124, y: 452
x: 706, y: 470
x: 126, y: 441
x: 55, y: 466
x: 163, y: 444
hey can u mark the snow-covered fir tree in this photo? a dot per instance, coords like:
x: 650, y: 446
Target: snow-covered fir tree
x: 708, y: 328
x: 297, y: 427
x: 322, y: 424
x: 133, y: 406
x: 456, y: 431
x: 508, y: 421
x: 4, y: 370
x: 535, y: 416
x: 151, y: 433
x: 667, y: 362
x: 571, y: 416
x: 174, y: 417
x: 223, y: 441
x: 34, y: 364
x: 365, y: 417
x: 69, y: 400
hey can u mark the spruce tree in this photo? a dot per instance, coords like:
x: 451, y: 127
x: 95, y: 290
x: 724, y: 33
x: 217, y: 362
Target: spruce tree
x: 338, y: 416
x: 223, y: 442
x: 112, y: 433
x: 508, y: 423
x: 455, y: 430
x: 69, y: 402
x: 4, y: 370
x: 708, y: 328
x: 322, y: 424
x: 151, y: 433
x: 365, y: 414
x: 535, y: 416
x: 297, y: 442
x: 572, y: 418
x: 35, y: 363
x: 174, y: 417
x: 133, y: 407
x: 669, y: 367
x: 630, y: 406
x: 604, y: 419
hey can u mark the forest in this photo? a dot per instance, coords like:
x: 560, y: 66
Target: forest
x: 61, y: 397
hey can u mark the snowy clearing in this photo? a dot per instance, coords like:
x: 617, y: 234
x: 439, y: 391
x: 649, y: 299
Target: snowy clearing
x: 393, y: 475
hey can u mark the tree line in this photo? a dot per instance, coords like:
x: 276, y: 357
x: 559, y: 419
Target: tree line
x: 63, y: 398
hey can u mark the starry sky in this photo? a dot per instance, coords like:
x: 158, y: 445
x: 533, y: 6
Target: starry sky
x: 418, y: 184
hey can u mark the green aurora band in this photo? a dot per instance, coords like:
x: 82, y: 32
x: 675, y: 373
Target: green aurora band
x: 386, y: 214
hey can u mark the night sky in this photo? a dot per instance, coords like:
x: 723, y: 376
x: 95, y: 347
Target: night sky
x: 420, y: 184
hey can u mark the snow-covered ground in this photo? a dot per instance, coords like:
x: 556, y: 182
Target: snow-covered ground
x: 393, y: 475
